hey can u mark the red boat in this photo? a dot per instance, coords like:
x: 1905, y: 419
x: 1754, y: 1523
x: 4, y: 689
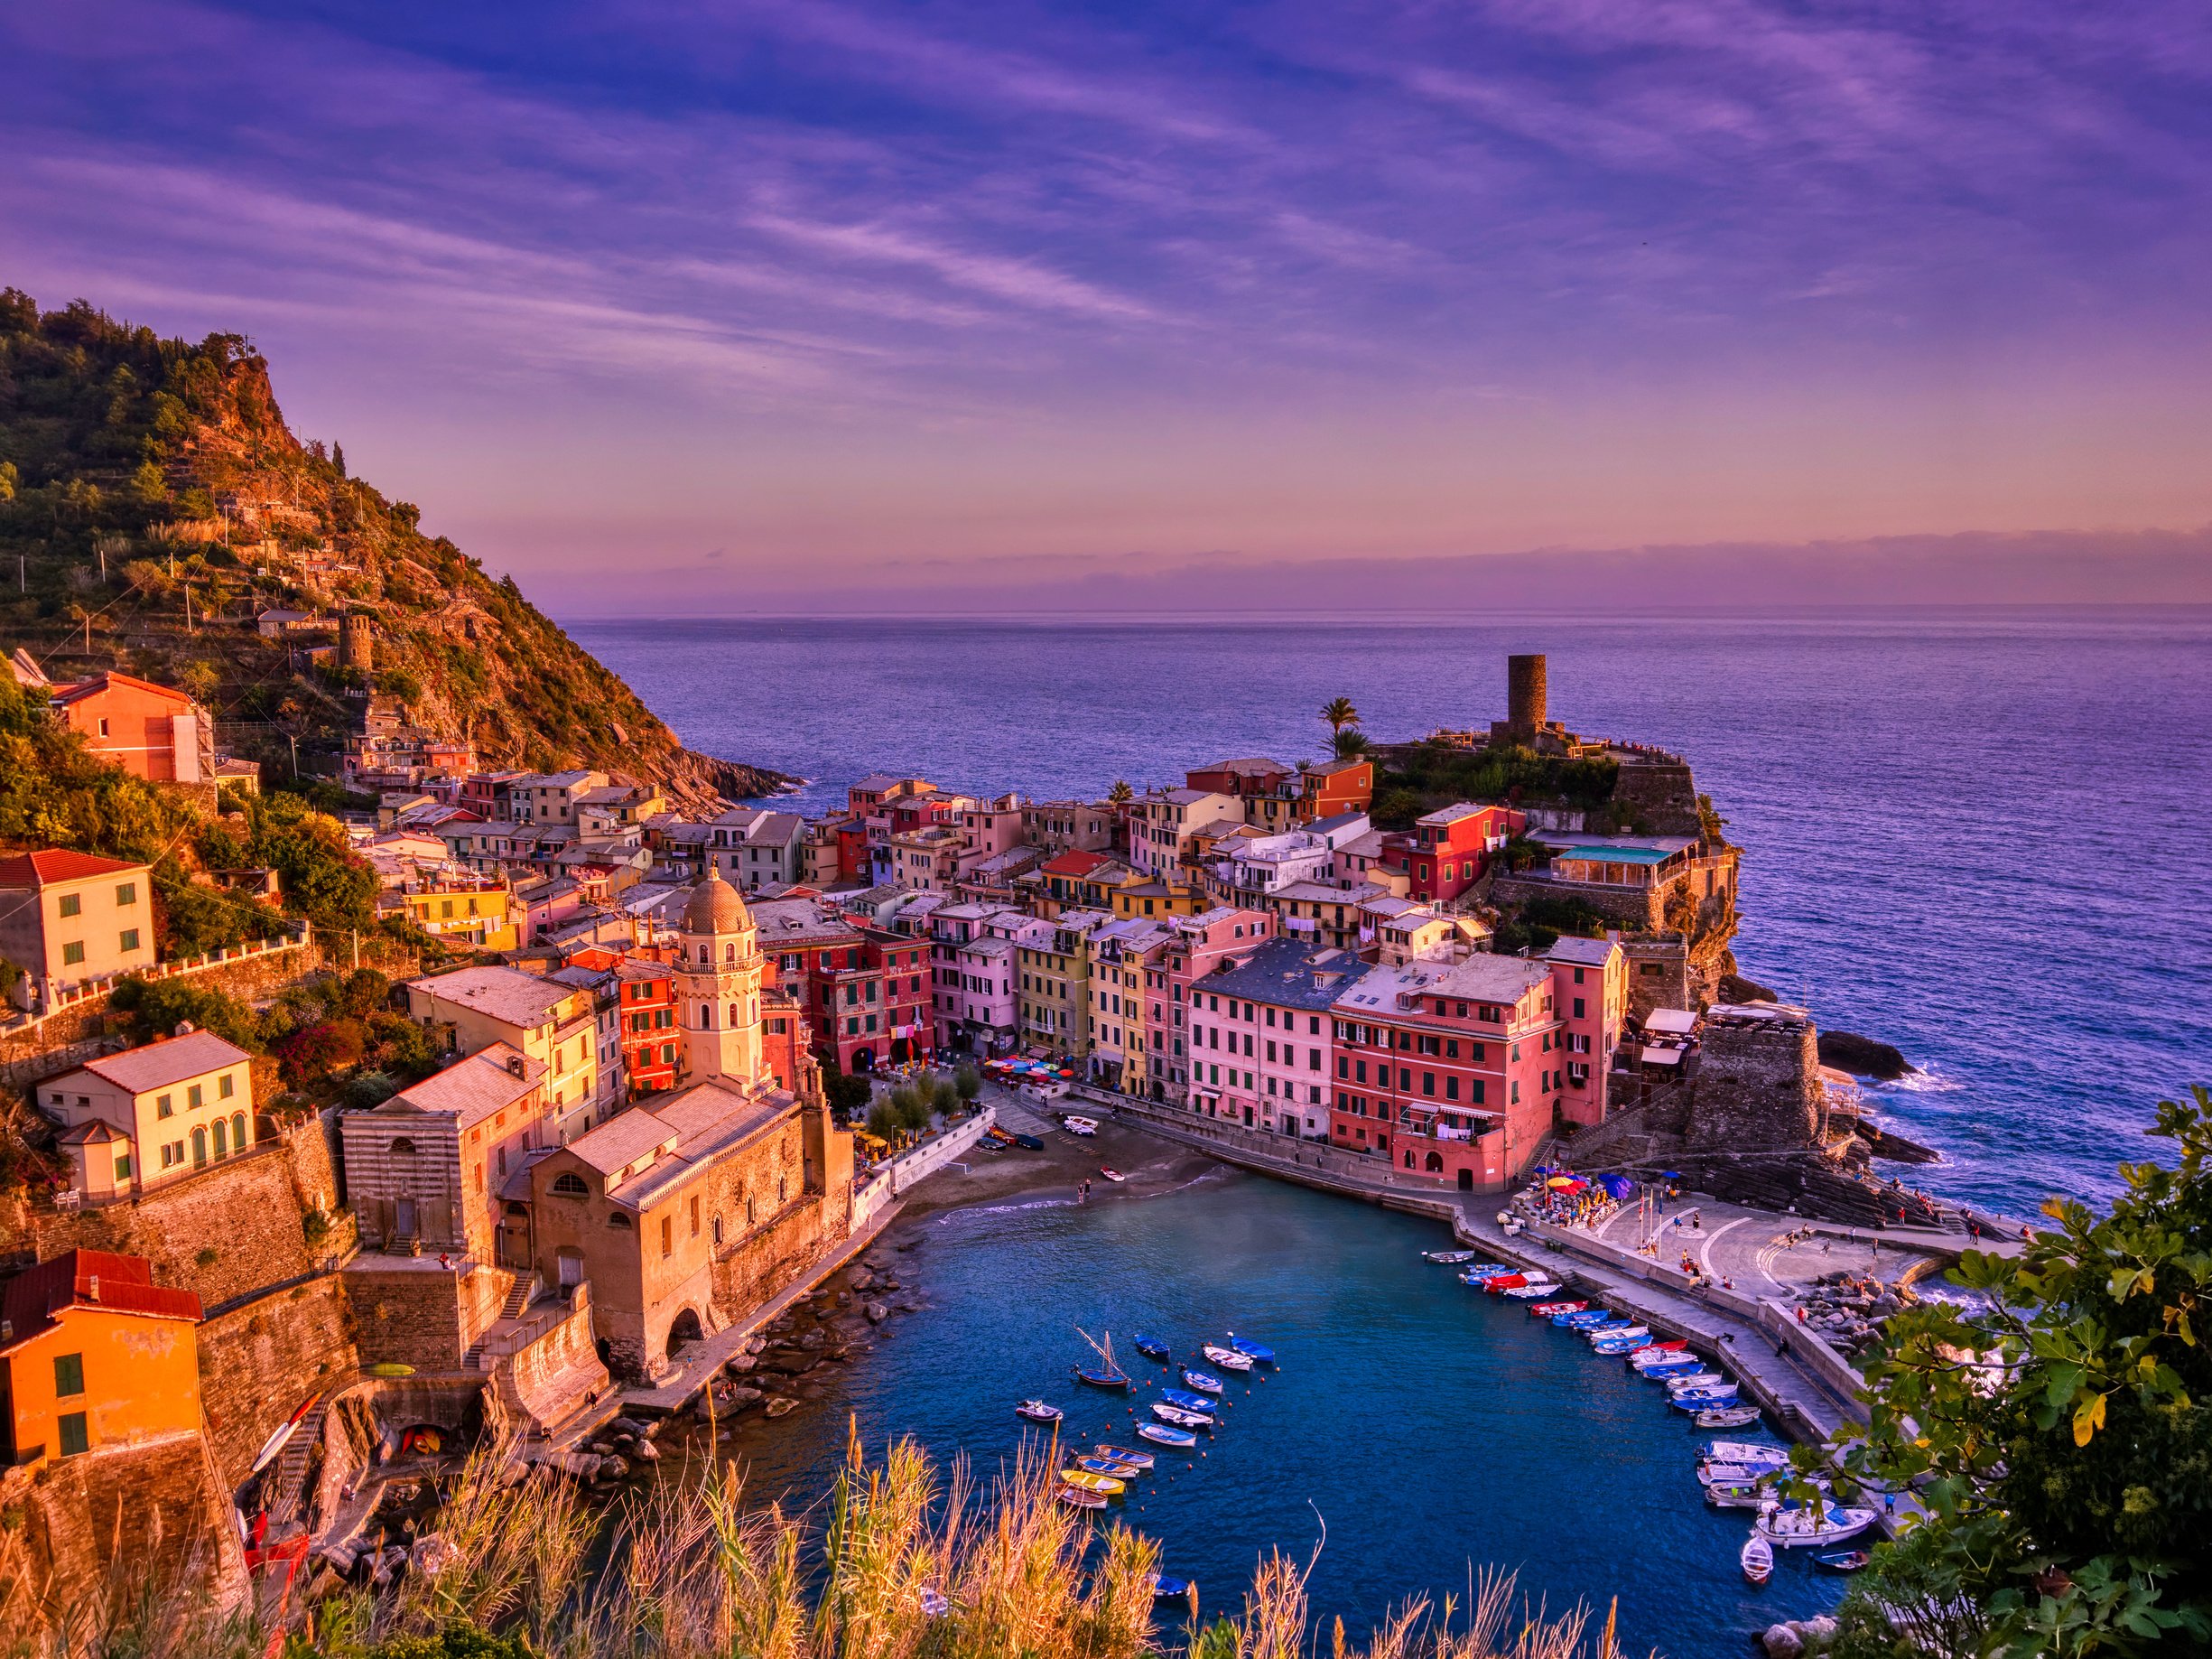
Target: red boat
x: 1504, y: 1283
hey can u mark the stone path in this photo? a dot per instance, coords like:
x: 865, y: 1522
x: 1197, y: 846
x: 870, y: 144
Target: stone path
x: 1757, y: 1252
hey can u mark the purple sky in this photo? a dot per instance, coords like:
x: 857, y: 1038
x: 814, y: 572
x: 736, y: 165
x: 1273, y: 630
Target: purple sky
x: 803, y: 304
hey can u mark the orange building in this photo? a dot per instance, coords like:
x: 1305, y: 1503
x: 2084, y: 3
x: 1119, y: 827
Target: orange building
x: 94, y: 1354
x: 150, y: 730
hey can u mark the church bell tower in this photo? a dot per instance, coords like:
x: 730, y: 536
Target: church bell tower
x: 718, y: 976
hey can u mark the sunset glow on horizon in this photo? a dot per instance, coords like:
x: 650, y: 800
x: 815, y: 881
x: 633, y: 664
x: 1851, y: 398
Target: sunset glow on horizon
x: 764, y: 304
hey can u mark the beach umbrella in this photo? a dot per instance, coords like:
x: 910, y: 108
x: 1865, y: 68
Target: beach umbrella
x: 1560, y: 1183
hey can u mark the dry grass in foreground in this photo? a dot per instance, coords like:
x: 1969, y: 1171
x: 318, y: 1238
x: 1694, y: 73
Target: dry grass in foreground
x: 688, y: 1573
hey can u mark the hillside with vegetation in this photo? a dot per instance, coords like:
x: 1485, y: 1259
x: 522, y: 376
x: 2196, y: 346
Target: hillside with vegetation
x: 154, y: 503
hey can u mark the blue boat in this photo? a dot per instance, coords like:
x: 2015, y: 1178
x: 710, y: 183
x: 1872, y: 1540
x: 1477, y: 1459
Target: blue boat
x: 1583, y: 1321
x: 1258, y: 1352
x: 1160, y: 1434
x: 1617, y: 1345
x: 1705, y: 1399
x: 1190, y: 1402
x: 1152, y: 1347
x: 1165, y: 1588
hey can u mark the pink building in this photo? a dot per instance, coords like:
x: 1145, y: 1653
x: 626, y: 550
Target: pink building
x: 1590, y: 991
x: 1197, y: 945
x: 1261, y: 1036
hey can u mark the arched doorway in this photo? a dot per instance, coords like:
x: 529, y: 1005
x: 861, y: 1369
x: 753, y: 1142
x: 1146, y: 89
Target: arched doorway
x: 683, y: 1331
x: 1436, y: 1164
x: 902, y: 1050
x: 1466, y: 1180
x: 863, y: 1060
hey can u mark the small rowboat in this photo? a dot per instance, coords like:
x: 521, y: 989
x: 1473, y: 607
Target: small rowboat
x: 1728, y: 1417
x: 1587, y: 1319
x: 1552, y: 1310
x: 1182, y: 1418
x: 1484, y: 1270
x: 1190, y: 1402
x: 1694, y: 1379
x: 1666, y: 1365
x: 387, y: 1367
x: 1498, y: 1284
x: 1448, y: 1258
x: 1110, y: 1173
x: 1757, y: 1560
x: 1037, y: 1411
x: 1112, y: 1468
x: 1258, y: 1353
x: 1613, y: 1346
x: 1529, y: 1292
x: 1705, y: 1399
x: 1165, y: 1588
x: 1229, y: 1359
x: 1102, y: 1379
x: 1842, y: 1561
x: 1736, y: 1495
x: 1656, y: 1351
x: 1152, y: 1347
x: 1074, y: 1497
x: 1080, y: 1125
x: 1203, y: 1382
x: 1123, y: 1454
x: 1085, y: 1480
x: 1723, y: 1474
x: 1160, y: 1434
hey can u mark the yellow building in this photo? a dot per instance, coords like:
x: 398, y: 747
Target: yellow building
x: 1054, y: 966
x: 94, y: 1354
x: 67, y: 919
x: 1157, y: 898
x: 1121, y: 952
x: 552, y: 1022
x: 465, y: 913
x: 135, y: 1118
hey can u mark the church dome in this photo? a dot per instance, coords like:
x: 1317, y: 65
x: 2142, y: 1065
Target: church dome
x: 714, y: 906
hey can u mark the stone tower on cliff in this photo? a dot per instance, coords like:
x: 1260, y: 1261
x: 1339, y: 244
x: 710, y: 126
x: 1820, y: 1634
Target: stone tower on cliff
x: 1524, y: 696
x: 718, y: 974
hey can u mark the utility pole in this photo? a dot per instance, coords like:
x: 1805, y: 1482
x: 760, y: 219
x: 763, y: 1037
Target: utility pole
x: 188, y: 608
x: 294, y: 741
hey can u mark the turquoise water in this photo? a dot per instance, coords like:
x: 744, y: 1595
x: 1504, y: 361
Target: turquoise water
x: 1425, y: 1425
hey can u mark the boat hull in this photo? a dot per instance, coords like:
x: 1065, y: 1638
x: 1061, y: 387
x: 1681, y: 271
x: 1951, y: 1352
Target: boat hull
x: 1160, y: 1434
x: 1182, y: 1418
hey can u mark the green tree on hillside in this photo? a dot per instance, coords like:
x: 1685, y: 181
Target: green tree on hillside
x: 1339, y: 713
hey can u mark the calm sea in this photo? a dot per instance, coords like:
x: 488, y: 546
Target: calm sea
x: 1981, y: 836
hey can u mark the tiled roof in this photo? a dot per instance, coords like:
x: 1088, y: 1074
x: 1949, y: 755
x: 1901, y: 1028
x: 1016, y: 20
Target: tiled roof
x: 472, y: 1089
x: 87, y: 1279
x: 51, y: 864
x: 171, y: 1060
x: 1588, y: 953
x: 103, y: 682
x: 1076, y: 863
x: 504, y: 993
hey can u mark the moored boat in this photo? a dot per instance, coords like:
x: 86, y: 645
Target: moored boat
x: 1757, y: 1560
x: 1484, y: 1270
x: 1227, y: 1359
x: 1552, y: 1310
x: 1737, y: 1494
x: 1258, y: 1353
x: 1498, y: 1284
x: 1180, y: 1418
x: 1111, y: 1467
x: 1152, y: 1347
x: 1797, y: 1529
x: 1165, y: 1588
x: 1160, y: 1434
x: 1204, y: 1382
x: 1076, y: 1497
x: 1449, y: 1258
x: 1694, y: 1379
x: 1842, y: 1561
x: 1620, y: 1334
x: 1190, y: 1402
x: 1088, y: 1481
x: 1728, y: 1417
x: 1700, y: 1399
x: 1531, y: 1292
x: 1124, y: 1454
x: 1037, y: 1411
x: 1587, y: 1319
x: 1102, y: 1379
x: 1744, y: 1451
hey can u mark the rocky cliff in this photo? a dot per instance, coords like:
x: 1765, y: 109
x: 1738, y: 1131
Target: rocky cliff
x: 154, y: 503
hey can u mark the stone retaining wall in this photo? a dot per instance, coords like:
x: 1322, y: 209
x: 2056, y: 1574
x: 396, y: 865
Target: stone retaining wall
x: 260, y: 1360
x: 934, y: 1155
x: 547, y: 1381
x: 418, y: 1314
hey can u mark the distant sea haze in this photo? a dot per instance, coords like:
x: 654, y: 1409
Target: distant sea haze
x: 1979, y: 835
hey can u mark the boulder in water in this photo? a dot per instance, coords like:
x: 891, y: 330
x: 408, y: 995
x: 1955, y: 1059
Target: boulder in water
x: 1782, y: 1642
x: 1863, y: 1056
x: 877, y: 1313
x: 781, y: 1405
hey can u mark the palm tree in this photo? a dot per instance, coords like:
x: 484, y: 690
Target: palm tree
x: 1120, y: 792
x: 1348, y: 744
x: 1339, y: 712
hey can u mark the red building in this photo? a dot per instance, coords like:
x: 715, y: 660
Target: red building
x: 1452, y: 1069
x: 1450, y: 849
x: 150, y: 730
x: 652, y: 1046
x: 864, y: 991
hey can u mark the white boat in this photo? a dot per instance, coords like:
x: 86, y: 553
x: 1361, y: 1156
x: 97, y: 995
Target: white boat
x: 1729, y: 1417
x: 1798, y: 1528
x: 1449, y: 1258
x: 1757, y: 1560
x: 1618, y: 1333
x: 1693, y: 1379
x: 1229, y: 1359
x: 1744, y: 1451
x: 1722, y: 1473
x: 1080, y: 1125
x: 1531, y: 1292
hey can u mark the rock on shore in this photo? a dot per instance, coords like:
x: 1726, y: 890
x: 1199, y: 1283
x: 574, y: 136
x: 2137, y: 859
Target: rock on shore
x: 1863, y: 1056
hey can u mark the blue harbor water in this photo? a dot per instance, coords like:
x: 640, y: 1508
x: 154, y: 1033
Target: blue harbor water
x: 1426, y: 1425
x: 1979, y: 835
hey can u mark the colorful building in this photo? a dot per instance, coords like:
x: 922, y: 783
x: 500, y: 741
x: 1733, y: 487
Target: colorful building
x: 552, y: 1023
x: 134, y: 1120
x: 94, y: 1355
x: 1197, y: 945
x: 152, y: 732
x: 1449, y: 849
x: 70, y: 919
x: 473, y: 909
x: 1261, y: 1035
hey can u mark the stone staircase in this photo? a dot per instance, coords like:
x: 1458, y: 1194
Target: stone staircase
x: 287, y: 1503
x: 519, y: 1297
